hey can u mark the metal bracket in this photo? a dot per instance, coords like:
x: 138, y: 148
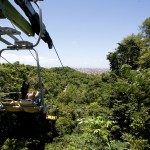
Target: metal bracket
x: 21, y: 45
x: 8, y: 31
x: 4, y: 41
x: 18, y: 44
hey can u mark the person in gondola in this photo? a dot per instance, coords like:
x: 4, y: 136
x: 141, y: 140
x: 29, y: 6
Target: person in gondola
x: 24, y: 89
x: 31, y: 95
x: 35, y: 96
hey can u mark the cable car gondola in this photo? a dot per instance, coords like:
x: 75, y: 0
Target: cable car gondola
x: 24, y: 105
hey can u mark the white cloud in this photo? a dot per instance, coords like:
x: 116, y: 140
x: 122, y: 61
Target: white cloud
x: 26, y: 59
x: 45, y: 62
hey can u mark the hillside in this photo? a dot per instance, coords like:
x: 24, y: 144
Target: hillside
x: 93, y: 71
x: 102, y: 108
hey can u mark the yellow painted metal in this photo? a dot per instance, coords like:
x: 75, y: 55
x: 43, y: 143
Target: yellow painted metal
x: 50, y: 117
x: 16, y: 106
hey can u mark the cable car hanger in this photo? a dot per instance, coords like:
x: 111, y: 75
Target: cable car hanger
x: 7, y: 10
x: 14, y: 105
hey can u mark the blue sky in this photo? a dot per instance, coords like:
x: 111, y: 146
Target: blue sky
x: 84, y: 31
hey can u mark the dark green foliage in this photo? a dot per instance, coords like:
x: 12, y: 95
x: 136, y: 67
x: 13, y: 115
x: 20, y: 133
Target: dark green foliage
x: 144, y: 60
x: 24, y: 130
x: 128, y: 52
x: 145, y: 29
x: 84, y: 104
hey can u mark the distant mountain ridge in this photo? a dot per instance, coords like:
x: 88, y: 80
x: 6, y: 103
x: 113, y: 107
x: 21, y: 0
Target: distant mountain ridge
x: 92, y: 70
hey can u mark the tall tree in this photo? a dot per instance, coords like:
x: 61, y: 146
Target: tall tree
x: 127, y: 52
x: 145, y: 29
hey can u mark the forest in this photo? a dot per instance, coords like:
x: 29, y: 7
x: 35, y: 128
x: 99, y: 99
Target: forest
x: 108, y: 111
